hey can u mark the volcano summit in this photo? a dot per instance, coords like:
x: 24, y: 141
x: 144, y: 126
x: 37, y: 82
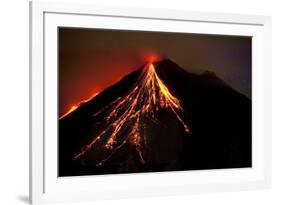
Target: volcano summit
x: 158, y: 118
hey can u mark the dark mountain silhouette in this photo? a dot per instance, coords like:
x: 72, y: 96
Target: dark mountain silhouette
x: 211, y: 130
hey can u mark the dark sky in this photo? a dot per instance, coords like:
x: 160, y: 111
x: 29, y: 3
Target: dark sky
x: 91, y: 60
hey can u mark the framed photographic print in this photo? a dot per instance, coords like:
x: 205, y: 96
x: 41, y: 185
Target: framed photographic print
x: 129, y: 102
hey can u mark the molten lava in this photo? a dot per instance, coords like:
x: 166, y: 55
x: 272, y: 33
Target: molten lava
x: 125, y: 116
x: 74, y: 107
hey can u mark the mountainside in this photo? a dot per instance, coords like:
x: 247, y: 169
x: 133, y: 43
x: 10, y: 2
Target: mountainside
x: 158, y: 118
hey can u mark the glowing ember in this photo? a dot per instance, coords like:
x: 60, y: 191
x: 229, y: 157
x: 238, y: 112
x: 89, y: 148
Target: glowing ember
x: 74, y: 107
x: 125, y: 115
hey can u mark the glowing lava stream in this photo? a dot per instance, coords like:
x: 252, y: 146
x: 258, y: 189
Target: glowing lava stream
x: 125, y: 115
x: 74, y: 107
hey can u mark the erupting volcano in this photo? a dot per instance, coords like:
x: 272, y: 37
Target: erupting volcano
x: 158, y: 118
x: 126, y: 116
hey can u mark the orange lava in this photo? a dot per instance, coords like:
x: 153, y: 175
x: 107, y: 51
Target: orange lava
x: 74, y: 107
x: 147, y: 96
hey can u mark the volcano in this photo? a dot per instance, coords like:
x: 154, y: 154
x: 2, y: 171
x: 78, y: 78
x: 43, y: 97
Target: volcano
x: 157, y: 118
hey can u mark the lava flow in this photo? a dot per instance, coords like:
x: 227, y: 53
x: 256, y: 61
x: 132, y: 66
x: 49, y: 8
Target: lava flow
x: 124, y: 117
x: 74, y: 107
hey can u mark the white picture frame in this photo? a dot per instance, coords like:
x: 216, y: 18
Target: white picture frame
x: 45, y: 186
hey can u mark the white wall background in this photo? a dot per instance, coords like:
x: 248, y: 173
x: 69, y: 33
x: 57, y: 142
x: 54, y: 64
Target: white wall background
x: 14, y: 100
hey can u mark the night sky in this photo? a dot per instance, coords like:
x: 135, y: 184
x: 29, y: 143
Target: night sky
x: 90, y: 60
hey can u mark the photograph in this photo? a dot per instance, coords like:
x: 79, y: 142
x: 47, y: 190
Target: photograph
x: 132, y: 101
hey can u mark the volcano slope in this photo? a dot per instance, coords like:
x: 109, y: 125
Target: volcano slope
x: 158, y: 118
